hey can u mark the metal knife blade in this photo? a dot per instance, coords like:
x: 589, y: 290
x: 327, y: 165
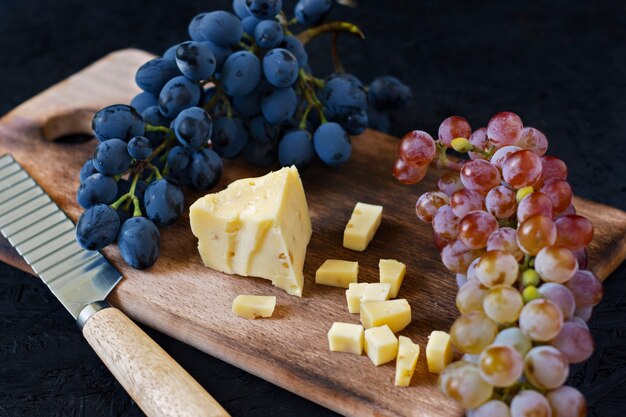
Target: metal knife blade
x: 45, y: 237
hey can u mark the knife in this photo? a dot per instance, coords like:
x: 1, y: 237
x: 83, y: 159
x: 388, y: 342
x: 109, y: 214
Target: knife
x: 45, y: 237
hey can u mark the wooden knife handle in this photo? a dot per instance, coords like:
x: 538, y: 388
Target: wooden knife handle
x: 159, y: 385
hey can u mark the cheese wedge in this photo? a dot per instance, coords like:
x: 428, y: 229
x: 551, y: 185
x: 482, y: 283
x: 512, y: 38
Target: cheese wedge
x: 253, y: 306
x: 362, y: 226
x: 406, y: 360
x: 256, y: 227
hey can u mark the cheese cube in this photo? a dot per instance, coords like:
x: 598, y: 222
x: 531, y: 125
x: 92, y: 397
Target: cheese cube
x: 394, y: 313
x: 256, y: 227
x: 408, y: 353
x: 346, y: 337
x: 337, y: 273
x: 253, y: 306
x: 438, y: 351
x: 376, y: 292
x: 362, y: 226
x: 381, y: 345
x: 392, y: 271
x: 354, y: 294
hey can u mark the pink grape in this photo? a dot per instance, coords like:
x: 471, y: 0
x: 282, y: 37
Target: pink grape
x: 513, y: 336
x: 584, y: 313
x: 504, y: 129
x: 503, y: 304
x: 556, y: 264
x: 560, y: 192
x: 470, y: 297
x: 462, y: 382
x: 417, y: 149
x: 574, y: 342
x: 573, y: 231
x: 475, y: 228
x: 471, y: 270
x: 529, y: 403
x: 464, y: 201
x: 501, y: 202
x: 479, y: 140
x: 533, y: 140
x: 581, y: 254
x: 567, y: 401
x: 586, y: 288
x: 569, y: 210
x: 457, y: 257
x: 500, y: 365
x: 534, y: 203
x: 505, y: 238
x: 501, y: 154
x: 480, y: 176
x: 407, y: 174
x: 445, y: 222
x: 535, y: 233
x: 454, y: 127
x: 541, y: 320
x: 440, y: 241
x: 551, y: 168
x: 497, y: 268
x: 560, y: 296
x: 428, y: 204
x: 521, y: 169
x: 546, y: 367
x: 473, y: 332
x: 492, y: 408
x: 449, y: 183
x: 461, y: 280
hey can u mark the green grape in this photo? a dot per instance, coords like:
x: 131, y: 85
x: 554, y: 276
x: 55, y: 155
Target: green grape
x: 500, y: 365
x: 462, y: 382
x: 472, y: 332
x: 503, y: 304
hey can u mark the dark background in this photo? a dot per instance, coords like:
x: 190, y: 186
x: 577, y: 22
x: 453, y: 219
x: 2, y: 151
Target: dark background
x: 560, y: 65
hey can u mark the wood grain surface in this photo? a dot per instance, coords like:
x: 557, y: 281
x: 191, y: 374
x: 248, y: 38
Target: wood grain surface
x: 181, y: 298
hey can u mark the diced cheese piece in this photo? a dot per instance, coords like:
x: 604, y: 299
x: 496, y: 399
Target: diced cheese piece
x: 392, y: 271
x: 256, y: 227
x: 381, y: 345
x: 346, y: 337
x: 362, y: 226
x: 376, y: 292
x: 394, y: 313
x: 337, y: 273
x: 408, y: 353
x: 438, y: 351
x: 253, y: 306
x: 354, y: 294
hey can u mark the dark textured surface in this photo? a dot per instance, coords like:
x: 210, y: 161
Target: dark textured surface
x: 559, y: 66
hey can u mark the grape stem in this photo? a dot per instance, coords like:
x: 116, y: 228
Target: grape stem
x: 163, y: 129
x: 155, y: 170
x: 306, y: 84
x: 305, y: 36
x: 302, y: 124
x: 442, y: 160
x: 335, y: 54
x: 128, y: 196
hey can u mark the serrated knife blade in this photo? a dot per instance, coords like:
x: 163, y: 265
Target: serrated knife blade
x: 46, y: 238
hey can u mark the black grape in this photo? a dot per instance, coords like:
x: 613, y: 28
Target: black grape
x: 178, y: 94
x: 87, y: 170
x: 96, y: 189
x: 164, y: 202
x: 139, y: 148
x: 143, y: 100
x: 205, y: 169
x: 264, y: 9
x: 97, y: 227
x: 332, y: 144
x: 193, y: 127
x: 139, y: 241
x: 195, y: 60
x: 296, y: 148
x: 279, y: 105
x: 312, y: 12
x: 111, y: 157
x: 153, y: 75
x: 241, y: 73
x: 118, y: 121
x: 229, y: 137
x: 389, y: 93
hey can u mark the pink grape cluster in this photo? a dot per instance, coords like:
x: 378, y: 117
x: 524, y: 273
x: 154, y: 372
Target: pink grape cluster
x: 505, y: 224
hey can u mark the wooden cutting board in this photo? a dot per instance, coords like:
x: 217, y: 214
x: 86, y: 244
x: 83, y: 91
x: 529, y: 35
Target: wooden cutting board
x: 182, y: 298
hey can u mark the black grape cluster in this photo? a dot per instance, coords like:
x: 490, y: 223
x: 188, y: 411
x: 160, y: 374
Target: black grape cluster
x: 242, y: 85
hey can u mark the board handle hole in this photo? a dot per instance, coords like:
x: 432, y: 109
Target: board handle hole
x: 70, y: 127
